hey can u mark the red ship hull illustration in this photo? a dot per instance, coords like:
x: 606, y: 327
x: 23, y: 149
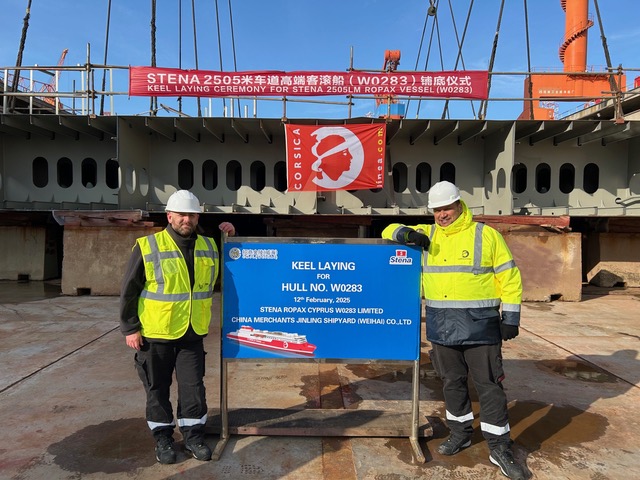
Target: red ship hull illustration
x: 278, y: 341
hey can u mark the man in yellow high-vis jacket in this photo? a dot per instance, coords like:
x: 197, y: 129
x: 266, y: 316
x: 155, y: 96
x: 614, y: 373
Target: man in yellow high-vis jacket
x: 473, y: 292
x: 165, y: 311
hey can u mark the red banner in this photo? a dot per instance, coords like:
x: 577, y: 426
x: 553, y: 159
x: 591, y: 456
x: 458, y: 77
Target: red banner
x: 173, y: 82
x: 335, y: 157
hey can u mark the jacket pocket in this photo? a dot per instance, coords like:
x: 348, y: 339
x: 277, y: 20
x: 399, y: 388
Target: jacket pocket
x: 160, y: 322
x: 483, y: 325
x: 483, y: 313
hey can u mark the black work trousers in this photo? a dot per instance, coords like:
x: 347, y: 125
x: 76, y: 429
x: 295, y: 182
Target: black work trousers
x: 156, y: 363
x: 483, y: 363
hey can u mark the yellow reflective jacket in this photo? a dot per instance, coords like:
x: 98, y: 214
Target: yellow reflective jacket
x: 167, y: 303
x: 468, y: 273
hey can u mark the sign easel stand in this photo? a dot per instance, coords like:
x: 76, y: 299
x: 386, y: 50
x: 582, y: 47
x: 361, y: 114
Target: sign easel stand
x: 324, y: 422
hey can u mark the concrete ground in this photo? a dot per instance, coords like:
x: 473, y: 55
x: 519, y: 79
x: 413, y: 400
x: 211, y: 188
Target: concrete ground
x: 72, y: 406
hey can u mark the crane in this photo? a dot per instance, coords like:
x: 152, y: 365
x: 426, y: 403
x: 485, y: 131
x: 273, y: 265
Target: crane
x: 51, y: 86
x: 387, y: 106
x: 573, y: 55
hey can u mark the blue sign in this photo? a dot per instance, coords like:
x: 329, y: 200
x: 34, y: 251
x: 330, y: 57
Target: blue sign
x: 316, y: 298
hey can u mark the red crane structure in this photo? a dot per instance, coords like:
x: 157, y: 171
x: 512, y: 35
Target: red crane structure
x: 576, y: 82
x: 51, y: 86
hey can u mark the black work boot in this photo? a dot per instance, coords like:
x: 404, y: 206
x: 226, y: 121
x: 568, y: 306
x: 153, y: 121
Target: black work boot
x: 502, y: 456
x: 165, y: 453
x: 453, y: 444
x: 199, y: 450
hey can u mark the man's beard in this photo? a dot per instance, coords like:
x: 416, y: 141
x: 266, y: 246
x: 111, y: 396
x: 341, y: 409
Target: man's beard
x: 186, y: 230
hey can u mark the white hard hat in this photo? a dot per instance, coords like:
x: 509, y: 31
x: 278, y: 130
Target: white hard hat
x: 443, y: 194
x: 183, y: 201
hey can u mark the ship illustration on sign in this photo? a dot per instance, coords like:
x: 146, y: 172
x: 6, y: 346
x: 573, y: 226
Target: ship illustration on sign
x: 279, y: 341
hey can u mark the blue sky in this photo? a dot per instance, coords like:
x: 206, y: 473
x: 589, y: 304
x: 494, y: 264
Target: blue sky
x: 313, y: 35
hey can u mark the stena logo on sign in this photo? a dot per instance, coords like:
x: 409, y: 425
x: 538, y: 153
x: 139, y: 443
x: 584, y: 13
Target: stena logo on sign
x: 400, y: 258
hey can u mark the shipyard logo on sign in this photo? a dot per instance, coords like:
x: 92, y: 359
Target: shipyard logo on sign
x: 236, y: 253
x: 324, y: 158
x: 400, y: 258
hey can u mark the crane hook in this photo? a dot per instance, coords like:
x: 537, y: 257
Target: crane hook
x: 431, y: 11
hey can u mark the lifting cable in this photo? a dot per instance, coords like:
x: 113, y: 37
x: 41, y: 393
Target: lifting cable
x: 424, y: 29
x: 530, y: 87
x: 431, y: 11
x: 195, y: 45
x: 483, y: 105
x: 224, y: 100
x: 16, y: 74
x: 435, y: 28
x: 445, y: 111
x: 439, y: 45
x: 106, y: 49
x: 153, y: 107
x: 233, y: 48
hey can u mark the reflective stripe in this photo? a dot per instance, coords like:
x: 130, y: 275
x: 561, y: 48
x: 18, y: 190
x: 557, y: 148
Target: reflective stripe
x: 464, y: 418
x: 492, y: 302
x: 398, y: 234
x: 511, y: 307
x: 476, y: 269
x: 206, y: 253
x: 458, y: 269
x: 165, y: 297
x: 425, y: 257
x: 211, y: 253
x: 505, y: 266
x: 477, y: 250
x: 494, y: 429
x: 154, y: 258
x: 203, y: 295
x: 154, y: 425
x: 165, y: 255
x: 190, y: 422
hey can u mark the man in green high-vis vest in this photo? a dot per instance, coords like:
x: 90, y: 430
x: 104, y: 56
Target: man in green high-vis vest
x: 165, y: 311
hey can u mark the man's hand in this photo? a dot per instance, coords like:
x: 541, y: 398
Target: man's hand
x: 419, y: 239
x: 508, y: 331
x: 134, y: 340
x: 227, y: 228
